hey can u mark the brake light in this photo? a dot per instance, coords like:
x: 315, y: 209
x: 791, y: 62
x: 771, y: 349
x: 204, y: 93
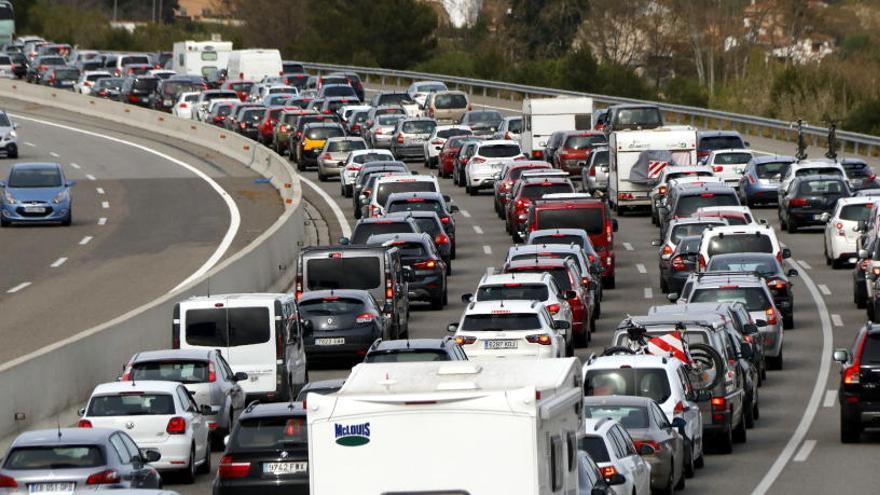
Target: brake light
x: 666, y: 251
x: 779, y: 256
x: 84, y: 423
x: 553, y: 308
x: 707, y: 195
x: 771, y: 316
x: 751, y: 179
x: 624, y: 196
x: 538, y: 154
x: 7, y: 482
x: 106, y: 477
x: 608, y: 472
x: 718, y: 168
x: 230, y: 469
x: 212, y: 373
x: 399, y: 139
x: 389, y: 287
x: 326, y: 156
x: 777, y: 284
x: 609, y: 236
x: 851, y: 375
x: 679, y: 408
x: 592, y: 171
x: 719, y: 403
x: 798, y: 202
x: 702, y: 262
x: 242, y: 125
x: 441, y: 239
x: 678, y: 264
x: 542, y: 339
x: 839, y: 227
x: 585, y: 281
x: 365, y: 318
x: 176, y: 426
x: 378, y: 131
x: 464, y: 340
x: 425, y: 265
x: 126, y: 375
x: 184, y: 105
x: 299, y: 286
x: 444, y: 220
x: 638, y: 444
x: 132, y: 99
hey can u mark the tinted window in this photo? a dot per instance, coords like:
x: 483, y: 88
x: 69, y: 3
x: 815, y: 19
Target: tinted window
x: 331, y: 305
x: 415, y: 206
x: 856, y: 212
x: 131, y: 404
x: 712, y: 143
x: 765, y: 266
x: 754, y: 298
x: 227, y: 327
x: 344, y: 273
x: 172, y: 371
x: 639, y: 116
x: 687, y: 230
x: 534, y: 292
x: 262, y: 434
x: 61, y: 457
x: 499, y: 150
x: 484, y: 118
x: 322, y: 133
x: 145, y: 85
x: 447, y: 101
x: 628, y: 416
x: 405, y: 356
x: 538, y: 190
x: 732, y: 158
x: 34, y: 177
x: 505, y: 321
x: 558, y: 239
x: 642, y: 382
x: 515, y: 126
x: 560, y: 275
x: 241, y: 86
x: 429, y: 226
x: 822, y: 188
x: 595, y: 446
x: 419, y: 127
x: 871, y: 351
x: 817, y: 171
x: 740, y: 243
x: 363, y: 231
x: 394, y: 99
x: 584, y: 142
x: 389, y: 188
x: 687, y: 205
x: 772, y: 170
x: 678, y: 175
x: 410, y: 251
x: 591, y: 220
x: 857, y: 170
x: 344, y: 146
x: 253, y: 115
x: 515, y: 173
x: 134, y: 59
x: 71, y: 73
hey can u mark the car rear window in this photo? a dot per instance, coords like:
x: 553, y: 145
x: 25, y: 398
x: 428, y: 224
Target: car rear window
x: 346, y: 145
x: 584, y: 142
x: 822, y: 188
x: 394, y: 99
x: 499, y: 150
x: 145, y: 84
x: 732, y: 158
x: 268, y: 434
x: 450, y: 101
x: 95, y: 77
x: 528, y: 292
x: 817, y: 171
x: 770, y: 170
x: 360, y: 272
x: 516, y: 173
x: 639, y: 116
x: 371, y: 157
x: 184, y: 371
x: 515, y: 126
x: 134, y: 59
x: 409, y: 205
x: 447, y: 133
x: 535, y: 191
x: 766, y: 266
x: 871, y: 351
x: 363, y: 231
x: 857, y: 212
x: 754, y: 298
x: 419, y: 127
x: 241, y: 86
x: 71, y: 73
x: 322, y: 133
x: 220, y: 94
x: 712, y: 143
x: 641, y: 382
x: 59, y: 457
x: 5, y: 60
x: 628, y: 416
x: 857, y: 170
x: 406, y: 356
x: 592, y: 220
x: 560, y: 275
x: 689, y: 229
x: 34, y: 177
x: 740, y: 243
x: 227, y: 327
x: 410, y: 250
x: 678, y: 175
x: 499, y: 322
x: 389, y: 188
x: 131, y: 404
x: 429, y: 226
x: 177, y: 87
x: 595, y: 446
x: 558, y: 239
x: 688, y: 204
x: 389, y: 119
x: 330, y: 305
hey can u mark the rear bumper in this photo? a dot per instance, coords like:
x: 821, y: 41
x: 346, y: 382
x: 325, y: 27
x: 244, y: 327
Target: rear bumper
x: 481, y: 181
x: 411, y: 151
x: 262, y: 486
x: 807, y: 216
x: 867, y: 413
x: 175, y: 452
x: 426, y: 288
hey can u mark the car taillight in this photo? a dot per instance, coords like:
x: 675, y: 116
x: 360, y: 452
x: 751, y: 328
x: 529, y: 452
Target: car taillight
x: 702, y: 262
x: 242, y: 125
x: 299, y: 287
x: 852, y: 373
x: 184, y: 105
x: 666, y: 252
x: 389, y: 286
x: 608, y: 471
x: 378, y: 131
x: 505, y: 186
x: 771, y: 316
x: 425, y: 265
x: 478, y: 159
x: 592, y: 171
x: 176, y: 426
x: 7, y: 482
x: 553, y: 308
x: 212, y: 373
x: 126, y: 374
x: 717, y: 168
x: 444, y: 220
x: 106, y: 477
x: 661, y: 190
x: 326, y: 156
x: 638, y: 444
x: 537, y: 154
x: 798, y: 202
x: 624, y: 196
x: 229, y: 468
x: 585, y: 281
x: 355, y: 127
x: 719, y: 403
x: 542, y: 339
x: 751, y: 179
x: 777, y: 284
x: 132, y: 98
x: 678, y: 264
x: 84, y: 423
x: 464, y: 340
x: 679, y: 408
x: 399, y: 139
x: 438, y: 142
x: 365, y: 318
x: 520, y: 205
x: 507, y: 136
x: 441, y: 239
x: 609, y: 232
x: 839, y: 227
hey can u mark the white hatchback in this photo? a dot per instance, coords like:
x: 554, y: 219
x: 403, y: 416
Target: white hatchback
x: 613, y: 450
x: 183, y: 108
x: 434, y: 143
x: 841, y: 235
x: 509, y: 329
x: 353, y: 165
x: 755, y: 238
x: 87, y: 81
x: 730, y: 164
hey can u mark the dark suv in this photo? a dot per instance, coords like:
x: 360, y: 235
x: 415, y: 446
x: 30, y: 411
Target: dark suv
x: 859, y: 394
x: 267, y: 452
x: 405, y: 351
x: 139, y: 90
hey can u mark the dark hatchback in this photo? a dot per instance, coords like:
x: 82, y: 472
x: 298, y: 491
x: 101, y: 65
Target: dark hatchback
x: 807, y: 198
x: 267, y: 453
x: 341, y: 323
x: 860, y: 174
x: 674, y: 271
x: 138, y: 90
x: 427, y: 281
x: 412, y: 350
x: 859, y: 392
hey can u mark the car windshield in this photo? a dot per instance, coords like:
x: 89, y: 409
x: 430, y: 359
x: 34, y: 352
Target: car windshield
x: 822, y: 188
x: 499, y: 150
x: 641, y: 382
x: 34, y: 177
x: 183, y: 371
x: 241, y: 86
x: 389, y: 188
x: 4, y: 120
x: 389, y: 119
x: 361, y: 272
x: 448, y: 101
x: 528, y: 292
x: 584, y: 142
x: 131, y: 404
x: 330, y: 305
x: 712, y: 143
x: 754, y: 298
x: 252, y: 115
x: 67, y: 73
x: 322, y: 133
x: 592, y: 220
x: 764, y: 265
x: 628, y: 416
x: 740, y: 243
x: 227, y: 327
x: 429, y: 226
x: 406, y: 356
x: 537, y: 190
x: 502, y: 320
x: 409, y: 205
x: 145, y: 84
x: 687, y: 205
x: 134, y: 59
x: 594, y: 446
x: 55, y: 457
x: 857, y: 212
x: 558, y: 239
x: 268, y: 434
x: 363, y: 231
x: 690, y: 229
x: 410, y: 251
x: 109, y: 83
x: 771, y: 170
x: 346, y: 145
x: 418, y: 127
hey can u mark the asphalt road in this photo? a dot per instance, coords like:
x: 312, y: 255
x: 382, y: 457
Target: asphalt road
x: 142, y: 224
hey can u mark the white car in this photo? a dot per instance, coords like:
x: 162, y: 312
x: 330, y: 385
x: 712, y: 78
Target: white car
x: 87, y: 81
x: 184, y: 106
x: 671, y: 173
x: 7, y: 67
x: 841, y: 238
x: 611, y: 447
x: 485, y: 164
x: 434, y: 143
x: 353, y: 165
x: 809, y: 167
x: 527, y: 287
x: 757, y: 238
x: 419, y: 90
x: 385, y: 186
x: 730, y: 164
x: 509, y: 329
x: 157, y: 415
x: 726, y: 212
x: 510, y: 129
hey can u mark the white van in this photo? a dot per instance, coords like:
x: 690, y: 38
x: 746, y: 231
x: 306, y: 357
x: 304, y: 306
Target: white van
x: 200, y: 58
x: 254, y: 64
x: 517, y: 419
x: 544, y: 116
x: 258, y: 334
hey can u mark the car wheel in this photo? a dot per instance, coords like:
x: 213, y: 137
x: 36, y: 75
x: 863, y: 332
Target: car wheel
x: 592, y: 326
x: 5, y: 223
x: 670, y: 481
x: 850, y: 431
x: 609, y: 282
x: 688, y: 468
x: 792, y: 226
x: 725, y: 441
x: 321, y: 176
x: 582, y: 339
x: 739, y: 433
x: 449, y: 268
x: 788, y: 321
x: 775, y: 363
x: 681, y: 480
x: 836, y: 264
x: 437, y: 302
x: 782, y: 224
x: 12, y: 151
x: 664, y: 287
x: 699, y: 462
x: 188, y: 474
x: 470, y: 190
x: 749, y: 414
x: 756, y: 410
x: 68, y: 219
x: 205, y: 467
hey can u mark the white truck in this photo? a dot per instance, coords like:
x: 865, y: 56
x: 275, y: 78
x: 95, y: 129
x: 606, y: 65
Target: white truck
x: 254, y: 64
x: 200, y: 58
x: 544, y: 116
x: 400, y: 427
x: 637, y: 157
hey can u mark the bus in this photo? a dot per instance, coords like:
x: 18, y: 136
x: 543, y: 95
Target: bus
x: 7, y: 22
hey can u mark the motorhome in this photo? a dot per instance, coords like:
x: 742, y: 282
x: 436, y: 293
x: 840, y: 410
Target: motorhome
x: 200, y: 58
x: 544, y: 116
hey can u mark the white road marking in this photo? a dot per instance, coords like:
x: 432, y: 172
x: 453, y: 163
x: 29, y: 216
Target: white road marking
x: 641, y: 268
x: 90, y: 177
x: 478, y: 230
x: 30, y: 144
x: 649, y: 293
x: 837, y: 320
x: 627, y: 246
x: 53, y: 154
x: 830, y: 398
x: 18, y: 287
x: 805, y: 451
x: 100, y: 190
x: 58, y: 262
x: 337, y: 211
x: 487, y: 249
x: 85, y: 240
x: 824, y: 289
x: 805, y: 265
x: 465, y: 213
x: 74, y: 165
x: 105, y: 204
x: 816, y: 397
x: 102, y: 221
x: 234, y: 214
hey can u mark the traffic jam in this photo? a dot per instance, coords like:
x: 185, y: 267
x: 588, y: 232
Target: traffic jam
x: 561, y: 394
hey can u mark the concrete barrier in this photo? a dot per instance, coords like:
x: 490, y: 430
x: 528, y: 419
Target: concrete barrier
x: 45, y: 384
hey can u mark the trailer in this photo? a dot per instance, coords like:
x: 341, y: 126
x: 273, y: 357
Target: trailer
x: 511, y: 426
x: 200, y: 58
x: 544, y: 116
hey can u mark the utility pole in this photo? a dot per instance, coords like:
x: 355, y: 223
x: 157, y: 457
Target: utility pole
x: 153, y: 11
x: 115, y: 7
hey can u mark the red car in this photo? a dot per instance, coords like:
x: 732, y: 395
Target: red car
x: 575, y: 150
x: 448, y: 154
x: 524, y: 192
x: 241, y: 88
x: 509, y: 177
x: 267, y: 125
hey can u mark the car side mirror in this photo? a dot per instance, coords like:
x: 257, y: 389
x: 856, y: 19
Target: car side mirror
x: 614, y: 225
x: 206, y: 409
x: 679, y: 422
x: 414, y: 172
x: 454, y: 209
x: 71, y: 183
x: 467, y: 297
x: 15, y: 125
x: 673, y: 296
x: 761, y: 323
x: 240, y: 376
x: 792, y: 273
x: 825, y: 217
x: 746, y: 351
x: 561, y: 325
x: 646, y: 449
x: 81, y: 411
x: 447, y: 198
x: 656, y: 242
x: 615, y: 479
x: 750, y: 329
x: 570, y: 294
x: 841, y: 355
x: 452, y: 327
x: 786, y: 253
x: 150, y: 455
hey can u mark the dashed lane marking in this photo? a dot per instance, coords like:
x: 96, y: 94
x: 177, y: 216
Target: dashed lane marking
x: 830, y: 398
x: 58, y: 262
x: 837, y: 320
x: 18, y: 287
x: 90, y: 177
x: 628, y: 246
x: 487, y: 249
x: 805, y: 450
x: 478, y: 229
x: 105, y: 204
x: 805, y: 265
x: 465, y: 213
x: 54, y: 155
x: 76, y: 166
x: 30, y: 144
x: 641, y: 268
x: 85, y: 240
x: 102, y: 221
x: 649, y: 293
x: 824, y: 289
x: 100, y: 190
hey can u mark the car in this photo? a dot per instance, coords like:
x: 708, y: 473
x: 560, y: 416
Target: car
x: 447, y: 107
x: 521, y: 196
x: 377, y: 131
x: 241, y: 88
x: 508, y: 329
x: 632, y: 116
x: 485, y: 163
x: 863, y: 270
x: 808, y: 198
x: 509, y: 175
x: 588, y: 261
x: 72, y: 460
x: 427, y: 280
x: 857, y: 393
x: 683, y: 200
x: 354, y: 81
x: 594, y: 175
x: 590, y: 479
x: 734, y: 215
x: 683, y: 227
x: 365, y: 181
x: 205, y: 374
x: 297, y: 128
x: 418, y: 91
x: 335, y: 153
x: 658, y: 192
x: 807, y: 167
x: 246, y: 119
x: 355, y: 120
x: 267, y: 451
x: 575, y: 149
x: 395, y: 98
x: 410, y: 350
x: 40, y: 65
x: 268, y: 122
x: 368, y: 227
x: 483, y: 123
x: 409, y: 137
x: 87, y: 79
x: 859, y: 174
x: 709, y: 141
x: 425, y: 201
x: 356, y: 159
x: 449, y: 152
x: 549, y: 151
x: 108, y: 87
x: 841, y: 238
x: 8, y: 136
x: 434, y: 144
x: 622, y: 466
x: 183, y: 107
x: 647, y: 424
x: 510, y: 129
x: 220, y: 110
x: 332, y: 104
x: 729, y: 164
x: 675, y: 269
x: 386, y: 186
x: 761, y: 178
x: 159, y: 415
x: 200, y: 111
x: 36, y: 193
x: 169, y: 90
x: 139, y: 90
x: 341, y: 323
x: 459, y: 160
x: 309, y: 148
x: 430, y: 223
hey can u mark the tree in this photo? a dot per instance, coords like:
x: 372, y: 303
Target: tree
x: 543, y: 28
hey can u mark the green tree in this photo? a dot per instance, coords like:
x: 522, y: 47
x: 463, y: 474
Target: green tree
x: 544, y: 28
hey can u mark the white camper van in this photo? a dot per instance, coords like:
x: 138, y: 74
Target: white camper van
x: 637, y: 157
x: 254, y: 65
x: 200, y: 58
x: 518, y: 420
x: 544, y: 116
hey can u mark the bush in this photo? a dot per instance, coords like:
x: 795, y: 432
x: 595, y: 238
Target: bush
x: 686, y: 91
x: 864, y: 118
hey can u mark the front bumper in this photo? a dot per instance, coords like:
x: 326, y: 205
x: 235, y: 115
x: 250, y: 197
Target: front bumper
x: 49, y: 213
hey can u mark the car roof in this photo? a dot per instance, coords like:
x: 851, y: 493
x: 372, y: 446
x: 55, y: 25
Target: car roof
x: 816, y: 163
x: 373, y: 151
x: 382, y: 219
x: 567, y: 232
x: 320, y: 294
x: 493, y: 142
x: 686, y: 169
x: 506, y: 278
x: 35, y: 166
x: 136, y: 386
x: 744, y: 256
x: 858, y: 200
x: 726, y: 278
x: 67, y: 436
x: 409, y: 178
x: 332, y: 383
x: 387, y: 345
x: 415, y: 214
x: 751, y: 228
x: 531, y: 181
x: 539, y: 262
x: 805, y: 178
x: 190, y: 353
x: 717, y: 133
x: 509, y: 306
x: 434, y: 195
x: 759, y: 160
x: 696, y: 219
x: 544, y: 246
x: 700, y: 314
x: 628, y: 360
x: 383, y: 239
x: 687, y: 188
x: 731, y: 150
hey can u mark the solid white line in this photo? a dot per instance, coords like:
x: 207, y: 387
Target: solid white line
x: 627, y: 246
x: 477, y: 229
x: 487, y: 249
x: 100, y: 190
x: 90, y: 177
x: 837, y: 320
x: 234, y: 215
x: 805, y: 451
x: 824, y: 289
x: 74, y: 165
x: 337, y: 211
x: 85, y: 240
x: 102, y: 221
x: 58, y: 262
x: 18, y: 287
x: 641, y: 268
x: 830, y: 398
x: 105, y: 204
x: 28, y: 143
x: 53, y: 154
x: 805, y: 265
x: 465, y: 213
x: 649, y: 293
x: 815, y: 398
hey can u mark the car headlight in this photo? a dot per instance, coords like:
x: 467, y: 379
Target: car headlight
x: 9, y: 198
x: 12, y: 135
x: 62, y: 196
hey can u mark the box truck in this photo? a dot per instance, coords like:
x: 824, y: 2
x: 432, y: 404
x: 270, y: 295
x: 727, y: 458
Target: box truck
x: 544, y: 116
x: 200, y: 58
x: 254, y: 64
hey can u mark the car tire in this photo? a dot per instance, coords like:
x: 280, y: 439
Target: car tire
x: 739, y: 433
x: 321, y: 176
x: 664, y: 287
x: 205, y: 467
x: 12, y: 151
x: 68, y: 219
x: 437, y: 302
x: 5, y: 223
x: 582, y: 340
x: 850, y: 431
x: 788, y: 321
x: 756, y: 409
x: 669, y: 487
x: 725, y: 441
x: 782, y: 223
x: 699, y: 462
x: 749, y: 414
x: 836, y: 264
x: 188, y: 474
x: 448, y: 268
x: 792, y: 227
x: 681, y: 481
x: 569, y: 348
x: 688, y: 469
x: 775, y: 363
x: 609, y: 282
x: 592, y: 326
x: 471, y: 190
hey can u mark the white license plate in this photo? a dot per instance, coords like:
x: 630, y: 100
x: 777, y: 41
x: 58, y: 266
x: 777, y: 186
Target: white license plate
x: 34, y: 209
x: 281, y: 468
x: 333, y: 341
x: 167, y: 103
x: 817, y: 216
x: 500, y: 344
x: 51, y: 487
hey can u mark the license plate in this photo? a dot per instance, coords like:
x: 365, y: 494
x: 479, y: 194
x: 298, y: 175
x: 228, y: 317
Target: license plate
x: 333, y: 341
x: 34, y: 209
x: 817, y: 216
x: 281, y: 468
x: 167, y: 103
x: 51, y: 487
x: 500, y: 344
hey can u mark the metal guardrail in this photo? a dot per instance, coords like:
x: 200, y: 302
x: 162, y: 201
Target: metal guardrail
x: 850, y: 142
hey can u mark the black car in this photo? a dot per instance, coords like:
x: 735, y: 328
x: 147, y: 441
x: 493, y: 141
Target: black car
x: 355, y: 81
x: 768, y: 267
x: 709, y: 141
x: 267, y: 452
x: 63, y: 77
x: 341, y: 323
x: 860, y: 174
x: 807, y: 198
x: 425, y: 201
x: 107, y: 87
x: 19, y: 64
x: 683, y: 200
x: 247, y: 119
x: 482, y: 122
x: 321, y: 387
x: 138, y: 90
x: 675, y: 269
x: 170, y: 89
x: 367, y: 227
x: 860, y: 271
x: 39, y: 65
x: 429, y: 223
x: 411, y: 350
x: 859, y: 392
x: 427, y: 281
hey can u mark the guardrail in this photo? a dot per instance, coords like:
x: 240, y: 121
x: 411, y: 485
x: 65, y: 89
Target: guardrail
x: 850, y: 142
x: 55, y: 379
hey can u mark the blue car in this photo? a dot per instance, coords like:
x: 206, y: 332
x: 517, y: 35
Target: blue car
x: 35, y: 193
x: 760, y: 180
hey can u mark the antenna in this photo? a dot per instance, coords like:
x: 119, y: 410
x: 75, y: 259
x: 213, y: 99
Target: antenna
x: 58, y: 425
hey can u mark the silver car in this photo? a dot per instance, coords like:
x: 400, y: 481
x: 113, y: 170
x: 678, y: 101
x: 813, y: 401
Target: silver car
x: 378, y: 134
x: 510, y: 129
x: 594, y: 176
x: 409, y: 137
x: 65, y: 460
x: 335, y: 153
x: 8, y: 136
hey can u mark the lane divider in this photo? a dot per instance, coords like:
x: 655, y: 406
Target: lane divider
x: 805, y: 451
x: 18, y: 287
x: 102, y: 221
x: 58, y: 262
x: 641, y: 268
x: 487, y: 249
x: 105, y: 204
x: 830, y: 398
x: 85, y: 240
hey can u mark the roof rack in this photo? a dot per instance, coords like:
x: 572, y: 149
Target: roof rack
x: 729, y: 273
